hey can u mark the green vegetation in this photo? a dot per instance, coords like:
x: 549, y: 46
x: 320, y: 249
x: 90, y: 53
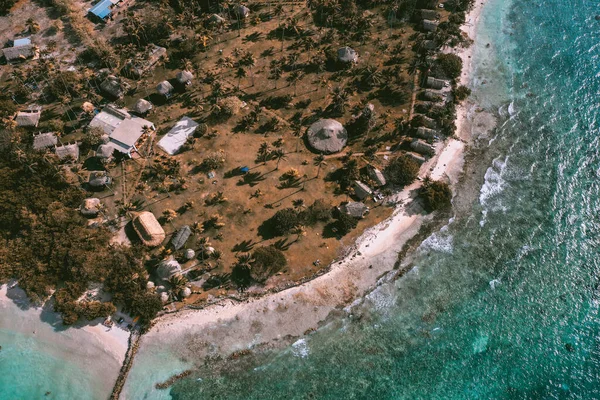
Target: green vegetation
x: 402, y: 171
x: 461, y: 93
x: 436, y: 195
x: 266, y: 261
x: 451, y: 65
x: 5, y: 6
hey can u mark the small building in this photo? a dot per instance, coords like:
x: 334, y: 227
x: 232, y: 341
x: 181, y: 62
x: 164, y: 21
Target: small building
x: 99, y: 179
x: 68, y: 152
x: 103, y: 9
x: 431, y: 15
x: 164, y: 88
x: 427, y: 134
x: 167, y: 269
x: 142, y: 106
x: 44, y: 140
x: 429, y: 25
x: 377, y: 176
x: 421, y: 147
x: 429, y: 45
x: 181, y: 236
x: 184, y: 77
x: 432, y: 95
x: 172, y: 142
x: 21, y: 50
x: 29, y: 117
x: 428, y: 122
x: 90, y: 207
x: 347, y: 55
x: 355, y: 209
x: 327, y: 136
x: 124, y: 130
x: 242, y: 11
x: 361, y: 190
x: 148, y: 229
x: 113, y: 86
x: 105, y: 151
x: 138, y: 67
x: 216, y: 19
x: 421, y: 160
x: 435, y: 83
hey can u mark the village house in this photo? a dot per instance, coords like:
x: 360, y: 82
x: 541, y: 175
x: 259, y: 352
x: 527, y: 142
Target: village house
x: 184, y: 77
x: 435, y: 83
x: 427, y: 134
x: 429, y: 25
x: 124, y: 130
x: 355, y: 209
x: 103, y: 10
x: 148, y: 229
x: 44, y: 140
x: 164, y: 89
x: 421, y: 147
x: 138, y: 67
x: 172, y: 142
x: 21, y: 50
x: 347, y: 55
x: 68, y: 152
x: 377, y: 176
x: 114, y: 86
x: 361, y: 190
x: 29, y: 117
x: 181, y: 236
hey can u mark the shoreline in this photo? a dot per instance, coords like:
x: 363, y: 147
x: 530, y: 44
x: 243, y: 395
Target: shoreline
x: 228, y: 327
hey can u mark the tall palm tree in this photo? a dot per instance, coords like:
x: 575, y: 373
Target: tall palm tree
x: 279, y: 154
x: 319, y: 162
x: 339, y: 99
x: 239, y: 74
x: 294, y: 78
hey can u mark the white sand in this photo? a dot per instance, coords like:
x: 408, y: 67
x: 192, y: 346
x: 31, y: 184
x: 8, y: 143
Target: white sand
x: 93, y: 347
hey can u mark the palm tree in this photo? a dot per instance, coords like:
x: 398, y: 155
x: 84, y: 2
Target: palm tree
x: 319, y: 161
x: 240, y: 73
x: 249, y: 61
x: 279, y: 154
x: 276, y: 71
x: 339, y: 99
x: 264, y: 152
x: 293, y: 79
x: 299, y: 231
x: 177, y: 283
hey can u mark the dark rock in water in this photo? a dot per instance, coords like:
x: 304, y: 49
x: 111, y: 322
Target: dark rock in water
x: 569, y: 347
x: 597, y: 17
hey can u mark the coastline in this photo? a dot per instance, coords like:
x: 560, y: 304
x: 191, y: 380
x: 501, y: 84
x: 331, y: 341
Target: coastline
x: 228, y: 327
x: 80, y: 349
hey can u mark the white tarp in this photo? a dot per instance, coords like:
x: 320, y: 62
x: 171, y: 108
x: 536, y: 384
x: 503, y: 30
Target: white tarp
x: 172, y: 141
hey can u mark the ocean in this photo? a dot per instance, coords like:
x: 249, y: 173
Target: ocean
x: 502, y: 303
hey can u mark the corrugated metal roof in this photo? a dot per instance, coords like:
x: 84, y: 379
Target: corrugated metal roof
x: 21, y: 42
x: 102, y: 9
x: 177, y: 136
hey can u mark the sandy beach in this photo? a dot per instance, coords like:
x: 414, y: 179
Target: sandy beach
x: 92, y: 348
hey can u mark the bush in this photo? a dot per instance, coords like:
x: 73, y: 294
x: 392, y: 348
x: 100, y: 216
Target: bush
x: 284, y: 221
x: 436, y: 195
x: 267, y: 261
x: 451, y: 64
x: 5, y: 6
x: 402, y: 171
x: 345, y: 223
x: 319, y: 211
x: 7, y: 107
x: 461, y: 93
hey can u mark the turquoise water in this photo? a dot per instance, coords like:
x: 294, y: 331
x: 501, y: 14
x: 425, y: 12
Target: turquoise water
x: 503, y: 302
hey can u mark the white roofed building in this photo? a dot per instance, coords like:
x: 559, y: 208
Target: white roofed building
x: 172, y: 142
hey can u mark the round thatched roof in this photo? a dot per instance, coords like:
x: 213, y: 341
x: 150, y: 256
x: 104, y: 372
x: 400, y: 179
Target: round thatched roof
x: 164, y: 88
x: 327, y: 136
x: 184, y: 76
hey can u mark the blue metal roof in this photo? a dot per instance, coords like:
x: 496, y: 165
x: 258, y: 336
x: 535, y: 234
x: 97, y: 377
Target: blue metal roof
x: 102, y: 9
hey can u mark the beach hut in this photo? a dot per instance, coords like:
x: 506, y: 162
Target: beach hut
x: 68, y: 152
x: 164, y: 88
x: 361, y: 190
x: 242, y: 11
x: 347, y: 55
x: 90, y: 207
x: 416, y: 157
x: 105, y: 152
x: 29, y: 117
x: 430, y: 15
x: 184, y: 77
x: 168, y: 268
x: 181, y: 236
x: 427, y: 134
x: 148, y: 229
x: 44, y: 140
x: 428, y: 122
x: 103, y: 10
x: 429, y: 25
x: 327, y: 136
x: 21, y: 50
x: 172, y: 142
x: 355, y: 209
x: 435, y: 83
x: 421, y: 147
x: 99, y: 179
x: 432, y: 95
x: 142, y: 106
x: 113, y: 87
x: 377, y: 176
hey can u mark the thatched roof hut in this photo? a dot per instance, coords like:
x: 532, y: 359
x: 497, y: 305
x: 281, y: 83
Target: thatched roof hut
x: 44, y: 140
x: 327, y: 136
x: 164, y: 88
x: 168, y: 268
x: 435, y: 83
x: 430, y: 14
x: 347, y: 55
x: 184, y: 77
x: 113, y: 86
x: 242, y: 11
x: 422, y: 148
x: 105, y: 151
x: 355, y: 209
x: 361, y: 190
x: 416, y: 157
x: 216, y: 19
x: 427, y: 134
x: 29, y: 117
x: 182, y: 235
x: 142, y: 106
x: 68, y: 151
x: 22, y: 49
x: 432, y: 95
x: 90, y: 207
x: 429, y: 25
x: 99, y: 179
x: 148, y: 229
